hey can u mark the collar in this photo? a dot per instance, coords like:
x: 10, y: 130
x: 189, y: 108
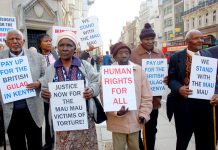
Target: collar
x: 13, y: 55
x: 141, y: 50
x: 47, y: 55
x: 193, y: 53
x: 74, y: 62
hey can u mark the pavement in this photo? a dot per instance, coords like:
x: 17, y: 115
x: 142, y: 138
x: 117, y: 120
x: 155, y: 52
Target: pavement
x: 165, y: 138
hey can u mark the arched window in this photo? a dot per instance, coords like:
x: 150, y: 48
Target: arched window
x: 214, y: 16
x: 199, y: 20
x: 206, y: 18
x: 193, y: 22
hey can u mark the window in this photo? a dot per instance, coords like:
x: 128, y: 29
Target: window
x: 199, y: 21
x: 187, y: 25
x: 214, y: 16
x: 167, y: 10
x: 168, y: 22
x: 193, y: 22
x: 206, y: 18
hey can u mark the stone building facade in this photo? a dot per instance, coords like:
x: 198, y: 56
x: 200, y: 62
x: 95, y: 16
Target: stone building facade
x: 35, y: 17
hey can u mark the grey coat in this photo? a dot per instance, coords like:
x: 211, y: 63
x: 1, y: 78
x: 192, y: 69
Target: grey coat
x: 91, y: 77
x: 35, y: 104
x: 87, y: 70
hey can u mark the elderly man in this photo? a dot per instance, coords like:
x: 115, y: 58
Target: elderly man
x: 191, y: 115
x: 146, y: 50
x: 23, y: 119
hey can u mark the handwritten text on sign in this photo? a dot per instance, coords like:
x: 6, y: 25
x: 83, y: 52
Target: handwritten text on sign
x: 14, y: 77
x: 88, y: 32
x: 6, y: 24
x: 118, y: 87
x: 156, y: 70
x: 57, y: 30
x: 68, y: 106
x: 203, y: 77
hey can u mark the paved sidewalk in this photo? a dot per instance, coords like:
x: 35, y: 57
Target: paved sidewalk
x: 165, y: 138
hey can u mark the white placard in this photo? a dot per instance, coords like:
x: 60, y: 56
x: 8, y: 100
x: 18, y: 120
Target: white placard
x: 156, y: 70
x: 118, y: 87
x: 58, y: 29
x: 88, y: 32
x: 14, y: 77
x: 68, y: 106
x: 203, y: 77
x: 6, y: 24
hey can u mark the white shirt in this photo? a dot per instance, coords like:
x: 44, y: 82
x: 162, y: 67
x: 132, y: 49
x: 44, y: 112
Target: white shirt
x: 193, y: 53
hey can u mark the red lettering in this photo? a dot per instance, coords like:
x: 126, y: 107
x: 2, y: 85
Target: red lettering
x: 17, y: 85
x: 119, y: 101
x: 119, y: 90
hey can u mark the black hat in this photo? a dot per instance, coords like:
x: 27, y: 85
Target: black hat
x: 147, y: 31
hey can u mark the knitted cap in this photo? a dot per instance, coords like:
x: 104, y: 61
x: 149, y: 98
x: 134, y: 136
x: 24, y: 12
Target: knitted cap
x: 114, y: 48
x: 68, y: 35
x: 147, y: 31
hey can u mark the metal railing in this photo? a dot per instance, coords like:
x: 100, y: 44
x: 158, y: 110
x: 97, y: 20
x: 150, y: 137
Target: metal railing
x: 200, y: 5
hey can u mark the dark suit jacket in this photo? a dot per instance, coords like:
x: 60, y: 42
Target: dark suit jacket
x: 176, y: 75
x: 214, y: 52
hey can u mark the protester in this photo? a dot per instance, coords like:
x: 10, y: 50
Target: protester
x: 191, y: 115
x: 146, y: 50
x: 69, y: 68
x: 107, y: 59
x: 99, y: 60
x: 44, y: 42
x: 23, y: 119
x: 214, y: 101
x: 124, y: 124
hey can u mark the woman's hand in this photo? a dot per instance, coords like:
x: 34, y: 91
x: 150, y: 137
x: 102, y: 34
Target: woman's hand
x: 88, y: 93
x: 45, y: 94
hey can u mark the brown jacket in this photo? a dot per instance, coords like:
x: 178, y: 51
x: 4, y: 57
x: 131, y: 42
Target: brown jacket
x: 129, y: 122
x: 140, y: 53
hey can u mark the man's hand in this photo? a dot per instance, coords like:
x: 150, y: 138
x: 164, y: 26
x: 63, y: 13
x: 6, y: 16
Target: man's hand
x: 142, y: 120
x: 184, y: 91
x: 166, y: 80
x: 46, y: 94
x: 34, y: 85
x: 214, y: 100
x: 88, y: 93
x: 122, y: 111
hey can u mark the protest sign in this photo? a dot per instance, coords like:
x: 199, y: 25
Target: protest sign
x: 6, y: 24
x: 58, y: 29
x: 14, y: 77
x: 203, y: 77
x: 68, y: 106
x: 88, y: 32
x: 156, y: 70
x: 118, y: 87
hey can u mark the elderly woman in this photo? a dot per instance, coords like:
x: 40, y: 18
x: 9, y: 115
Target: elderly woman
x: 69, y: 68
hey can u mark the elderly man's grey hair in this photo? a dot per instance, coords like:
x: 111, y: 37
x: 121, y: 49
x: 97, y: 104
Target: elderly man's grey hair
x: 189, y: 33
x: 18, y: 31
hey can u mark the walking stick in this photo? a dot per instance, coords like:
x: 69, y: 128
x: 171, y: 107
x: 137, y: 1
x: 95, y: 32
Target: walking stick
x: 144, y: 138
x: 214, y: 126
